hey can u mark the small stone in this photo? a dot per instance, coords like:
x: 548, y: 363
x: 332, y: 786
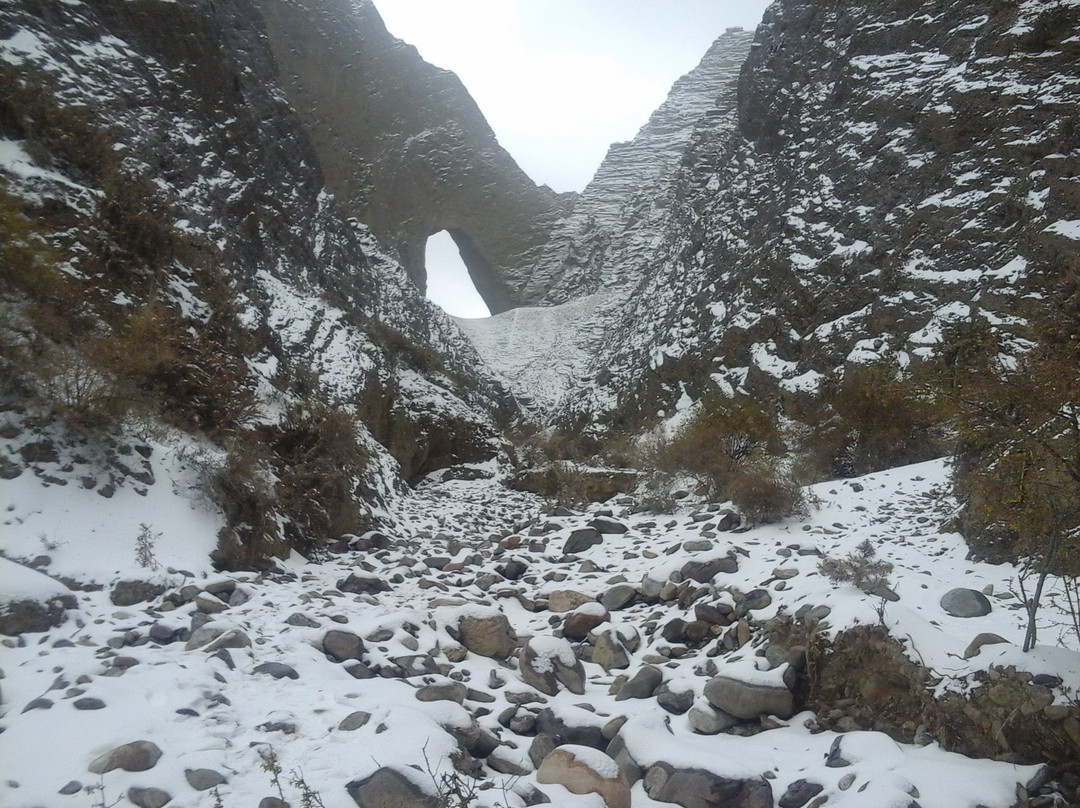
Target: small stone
x: 961, y: 602
x: 72, y: 787
x: 204, y: 779
x: 137, y: 756
x: 276, y: 669
x: 148, y: 797
x: 88, y: 704
x: 354, y: 721
x: 303, y: 621
x: 985, y: 638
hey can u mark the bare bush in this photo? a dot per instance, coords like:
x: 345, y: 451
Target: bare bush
x: 860, y: 568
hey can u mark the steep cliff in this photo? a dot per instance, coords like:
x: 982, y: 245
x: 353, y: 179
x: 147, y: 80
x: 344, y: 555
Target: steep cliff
x: 611, y: 241
x: 172, y: 256
x: 406, y: 150
x: 894, y: 168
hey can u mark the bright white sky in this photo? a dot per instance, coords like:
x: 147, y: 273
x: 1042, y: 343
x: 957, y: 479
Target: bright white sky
x: 560, y: 80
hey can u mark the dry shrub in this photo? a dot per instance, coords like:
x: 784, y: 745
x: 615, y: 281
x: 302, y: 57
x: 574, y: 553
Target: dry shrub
x: 861, y: 568
x: 318, y: 461
x: 733, y: 448
x: 243, y: 487
x: 291, y: 486
x: 868, y: 420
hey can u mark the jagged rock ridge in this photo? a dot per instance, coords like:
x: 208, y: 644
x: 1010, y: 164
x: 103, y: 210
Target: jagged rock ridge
x: 602, y: 252
x: 894, y: 169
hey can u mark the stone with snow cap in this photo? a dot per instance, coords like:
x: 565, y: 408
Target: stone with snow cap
x: 584, y: 770
x: 547, y: 662
x: 698, y: 788
x: 744, y: 698
x: 389, y: 788
x: 486, y: 632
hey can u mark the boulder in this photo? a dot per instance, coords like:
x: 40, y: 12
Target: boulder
x: 697, y: 788
x: 704, y: 570
x: 128, y: 593
x: 342, y: 646
x: 749, y: 699
x: 488, y: 635
x: 137, y: 756
x: 389, y: 788
x: 148, y: 797
x: 547, y: 662
x: 961, y: 602
x: 581, y: 540
x: 584, y: 619
x: 584, y: 770
x: 641, y: 685
x: 204, y: 779
x: 357, y: 584
x: 618, y: 597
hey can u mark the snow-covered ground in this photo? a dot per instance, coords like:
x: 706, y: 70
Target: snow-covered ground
x: 443, y: 560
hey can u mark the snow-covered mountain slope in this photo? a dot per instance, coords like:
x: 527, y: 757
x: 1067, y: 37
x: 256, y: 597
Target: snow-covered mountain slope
x: 376, y: 660
x: 895, y: 168
x: 151, y: 147
x: 599, y: 254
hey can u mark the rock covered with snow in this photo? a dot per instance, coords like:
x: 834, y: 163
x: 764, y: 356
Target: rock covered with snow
x: 583, y: 770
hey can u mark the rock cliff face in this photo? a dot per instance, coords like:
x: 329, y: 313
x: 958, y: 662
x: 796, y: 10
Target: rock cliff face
x: 406, y: 150
x: 894, y: 168
x: 167, y: 184
x: 838, y: 187
x: 602, y: 252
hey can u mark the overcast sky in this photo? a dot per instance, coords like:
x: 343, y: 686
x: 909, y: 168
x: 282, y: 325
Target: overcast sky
x: 561, y: 80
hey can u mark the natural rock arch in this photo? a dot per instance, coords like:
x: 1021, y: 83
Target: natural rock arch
x: 405, y: 149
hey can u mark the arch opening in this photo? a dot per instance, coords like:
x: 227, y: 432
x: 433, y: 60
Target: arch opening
x: 449, y: 284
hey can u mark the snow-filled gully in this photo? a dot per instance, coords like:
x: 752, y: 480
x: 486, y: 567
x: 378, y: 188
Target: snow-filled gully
x: 466, y: 627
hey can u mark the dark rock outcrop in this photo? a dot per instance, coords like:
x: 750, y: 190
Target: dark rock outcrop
x: 405, y: 148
